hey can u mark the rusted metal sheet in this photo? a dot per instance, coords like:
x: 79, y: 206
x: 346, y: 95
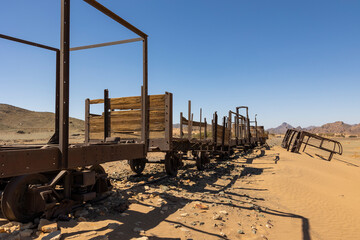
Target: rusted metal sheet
x: 26, y: 161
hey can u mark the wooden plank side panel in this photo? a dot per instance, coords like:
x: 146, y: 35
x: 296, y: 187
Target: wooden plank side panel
x: 227, y: 134
x: 135, y: 115
x: 198, y: 124
x: 219, y: 134
x: 129, y: 121
x: 155, y: 102
x: 130, y: 126
x: 127, y: 124
x: 184, y: 121
x: 96, y: 101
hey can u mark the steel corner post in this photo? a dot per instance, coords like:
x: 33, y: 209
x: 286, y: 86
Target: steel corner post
x: 64, y: 83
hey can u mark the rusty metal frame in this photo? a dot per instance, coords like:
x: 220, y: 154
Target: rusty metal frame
x: 294, y: 140
x: 247, y: 122
x: 57, y: 157
x: 55, y: 138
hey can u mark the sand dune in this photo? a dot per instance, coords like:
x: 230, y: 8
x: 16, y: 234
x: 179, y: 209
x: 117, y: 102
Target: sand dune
x: 325, y: 196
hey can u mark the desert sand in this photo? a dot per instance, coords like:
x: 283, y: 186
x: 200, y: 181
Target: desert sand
x: 251, y: 196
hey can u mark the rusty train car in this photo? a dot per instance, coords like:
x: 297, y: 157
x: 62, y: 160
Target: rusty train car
x: 51, y: 178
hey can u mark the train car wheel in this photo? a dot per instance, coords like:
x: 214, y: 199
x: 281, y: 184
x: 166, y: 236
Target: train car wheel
x: 137, y: 165
x: 202, y: 160
x: 171, y: 164
x: 102, y: 183
x: 19, y: 203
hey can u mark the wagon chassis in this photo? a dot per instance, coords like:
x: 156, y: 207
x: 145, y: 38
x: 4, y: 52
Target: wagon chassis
x: 51, y: 178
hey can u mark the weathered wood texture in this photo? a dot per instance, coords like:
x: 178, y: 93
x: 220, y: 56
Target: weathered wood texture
x: 123, y: 103
x: 126, y: 117
x: 219, y: 131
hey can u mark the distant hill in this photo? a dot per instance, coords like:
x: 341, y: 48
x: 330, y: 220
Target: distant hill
x: 19, y: 119
x: 338, y: 127
x: 280, y: 129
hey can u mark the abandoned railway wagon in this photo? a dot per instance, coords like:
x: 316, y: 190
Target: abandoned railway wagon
x: 52, y: 178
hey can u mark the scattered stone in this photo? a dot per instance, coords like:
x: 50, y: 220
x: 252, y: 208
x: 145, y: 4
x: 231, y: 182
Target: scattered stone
x: 164, y: 188
x: 223, y: 213
x: 47, y: 226
x: 146, y: 188
x: 56, y: 235
x: 113, y: 225
x: 25, y: 233
x: 217, y: 217
x: 137, y: 229
x: 184, y: 214
x: 81, y: 219
x: 201, y: 206
x: 240, y: 231
x: 27, y: 226
x: 177, y: 225
x: 10, y: 227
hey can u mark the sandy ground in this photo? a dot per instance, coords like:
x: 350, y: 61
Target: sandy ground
x: 251, y: 196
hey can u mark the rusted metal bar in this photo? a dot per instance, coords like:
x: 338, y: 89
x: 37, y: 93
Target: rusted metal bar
x: 168, y: 120
x: 223, y: 134
x: 189, y: 121
x: 87, y: 120
x: 28, y: 42
x: 200, y: 121
x: 106, y: 44
x: 229, y: 129
x: 64, y: 83
x: 115, y: 17
x: 215, y: 126
x: 205, y: 129
x: 145, y: 110
x: 256, y: 129
x: 107, y: 127
x: 181, y: 125
x: 64, y: 92
x: 57, y: 97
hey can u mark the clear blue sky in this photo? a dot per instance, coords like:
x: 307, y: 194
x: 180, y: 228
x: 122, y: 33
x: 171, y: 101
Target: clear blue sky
x: 293, y: 61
